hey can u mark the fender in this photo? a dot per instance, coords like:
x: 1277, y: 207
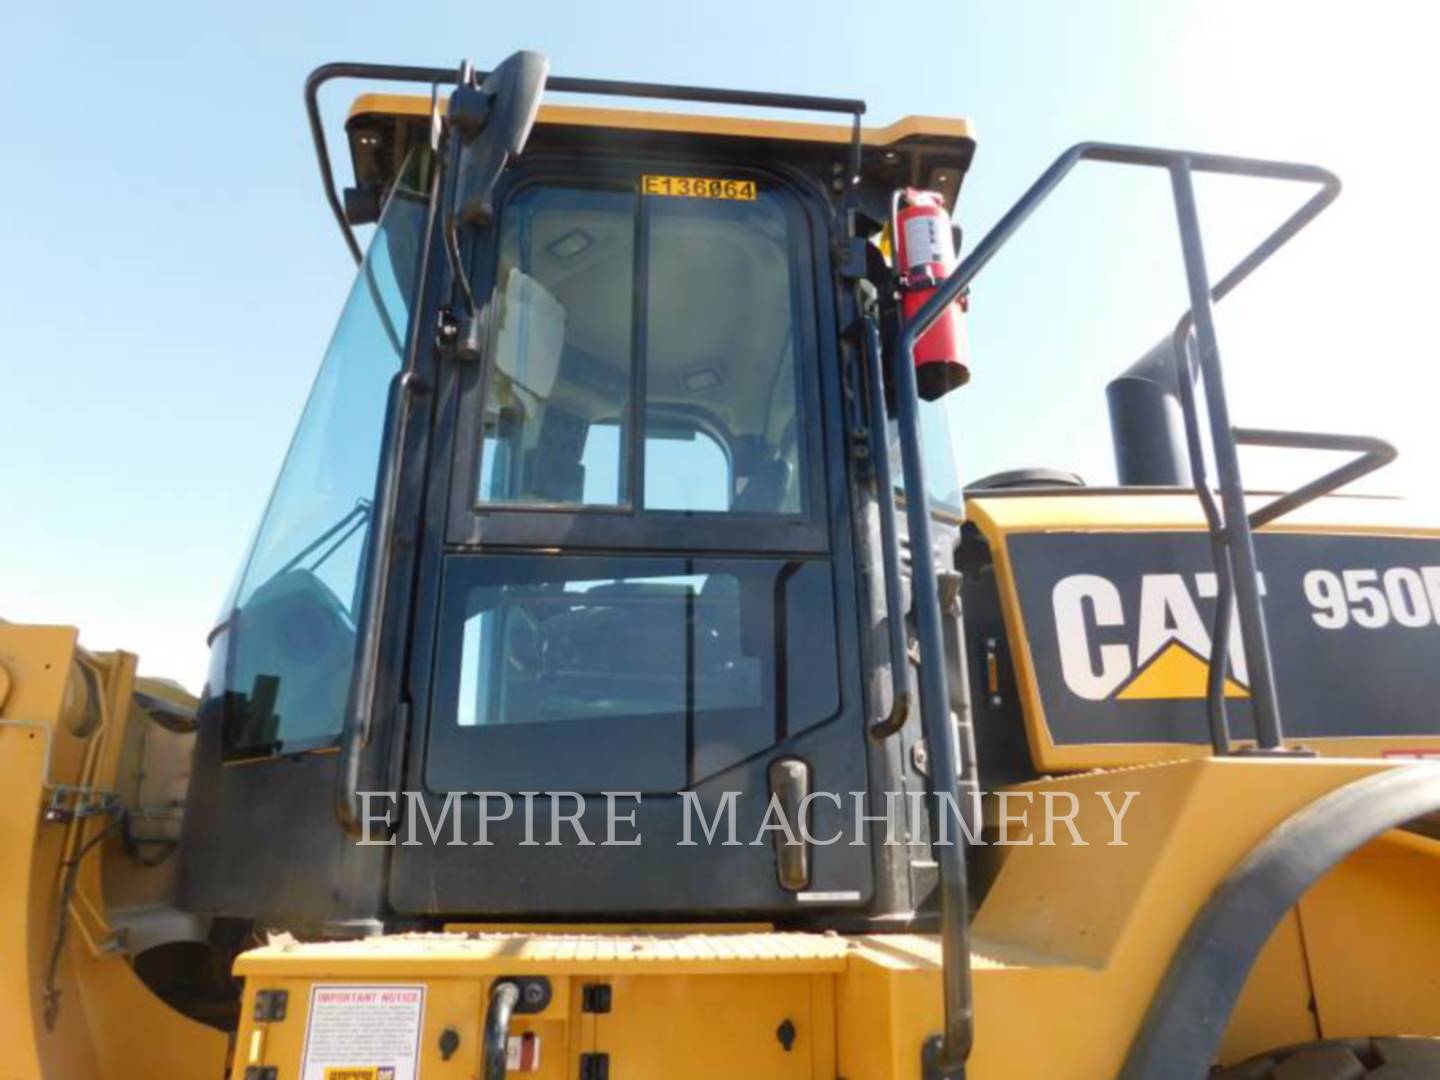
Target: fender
x: 1182, y: 1030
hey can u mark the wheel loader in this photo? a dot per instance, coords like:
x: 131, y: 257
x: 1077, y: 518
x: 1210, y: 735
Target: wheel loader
x: 620, y: 682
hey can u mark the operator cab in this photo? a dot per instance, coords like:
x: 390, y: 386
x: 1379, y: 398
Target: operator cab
x: 623, y: 559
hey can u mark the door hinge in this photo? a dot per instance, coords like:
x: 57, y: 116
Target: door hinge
x: 595, y: 998
x: 594, y: 1067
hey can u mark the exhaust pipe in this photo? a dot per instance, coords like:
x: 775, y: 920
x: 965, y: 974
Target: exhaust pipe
x: 1147, y: 423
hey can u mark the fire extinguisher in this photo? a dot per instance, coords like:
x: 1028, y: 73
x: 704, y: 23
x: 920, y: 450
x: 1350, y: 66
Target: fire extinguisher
x: 924, y: 257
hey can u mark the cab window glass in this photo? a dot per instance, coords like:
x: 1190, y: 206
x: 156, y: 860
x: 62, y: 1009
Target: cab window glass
x: 561, y: 356
x: 720, y: 348
x: 652, y: 671
x: 716, y: 297
x: 291, y: 632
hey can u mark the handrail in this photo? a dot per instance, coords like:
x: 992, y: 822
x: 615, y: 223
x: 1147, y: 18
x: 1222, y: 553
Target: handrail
x: 945, y: 1061
x: 1374, y: 454
x: 1233, y: 544
x: 604, y: 87
x: 900, y: 698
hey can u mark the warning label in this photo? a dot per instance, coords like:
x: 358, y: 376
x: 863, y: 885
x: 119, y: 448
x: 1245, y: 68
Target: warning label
x: 363, y: 1033
x: 927, y: 240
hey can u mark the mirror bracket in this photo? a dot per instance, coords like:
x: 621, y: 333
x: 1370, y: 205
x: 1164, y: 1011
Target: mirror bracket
x: 469, y: 110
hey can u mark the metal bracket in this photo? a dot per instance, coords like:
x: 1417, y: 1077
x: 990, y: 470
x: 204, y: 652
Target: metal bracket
x: 930, y: 1066
x: 992, y: 671
x: 461, y: 337
x: 596, y: 998
x: 851, y: 261
x: 67, y: 803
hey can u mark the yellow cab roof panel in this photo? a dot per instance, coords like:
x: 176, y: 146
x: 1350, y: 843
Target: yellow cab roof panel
x: 921, y: 151
x: 925, y: 127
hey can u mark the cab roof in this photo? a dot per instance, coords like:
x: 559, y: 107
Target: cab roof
x: 927, y: 151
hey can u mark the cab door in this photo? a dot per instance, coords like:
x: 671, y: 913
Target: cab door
x: 630, y: 581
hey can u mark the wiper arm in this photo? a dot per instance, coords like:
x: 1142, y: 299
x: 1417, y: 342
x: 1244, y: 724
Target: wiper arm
x: 346, y: 527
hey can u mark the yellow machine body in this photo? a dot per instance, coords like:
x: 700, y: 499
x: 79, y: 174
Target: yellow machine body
x: 71, y: 1003
x: 1070, y: 941
x: 1070, y: 945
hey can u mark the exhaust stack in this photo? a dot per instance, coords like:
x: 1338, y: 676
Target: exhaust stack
x: 1147, y: 424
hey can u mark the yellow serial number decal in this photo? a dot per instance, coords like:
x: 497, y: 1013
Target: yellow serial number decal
x: 698, y: 187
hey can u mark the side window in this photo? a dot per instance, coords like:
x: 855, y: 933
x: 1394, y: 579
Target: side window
x: 291, y: 637
x: 561, y: 354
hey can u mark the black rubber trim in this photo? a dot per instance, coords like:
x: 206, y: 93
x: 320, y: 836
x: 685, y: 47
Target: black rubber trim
x: 1181, y: 1033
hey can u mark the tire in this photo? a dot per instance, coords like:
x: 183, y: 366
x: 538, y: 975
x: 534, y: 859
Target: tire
x: 1342, y: 1059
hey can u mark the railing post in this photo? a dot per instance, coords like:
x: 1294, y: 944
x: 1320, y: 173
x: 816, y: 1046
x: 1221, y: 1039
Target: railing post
x: 1246, y: 578
x: 945, y: 1059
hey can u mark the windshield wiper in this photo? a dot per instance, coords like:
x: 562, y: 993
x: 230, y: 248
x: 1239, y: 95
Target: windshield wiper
x: 346, y: 527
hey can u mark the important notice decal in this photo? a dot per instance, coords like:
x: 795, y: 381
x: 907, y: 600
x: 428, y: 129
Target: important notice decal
x: 363, y: 1032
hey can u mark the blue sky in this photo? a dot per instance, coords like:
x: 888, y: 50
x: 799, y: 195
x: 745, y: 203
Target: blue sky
x: 171, y: 273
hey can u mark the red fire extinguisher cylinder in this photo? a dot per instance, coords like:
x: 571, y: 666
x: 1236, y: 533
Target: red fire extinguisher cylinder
x: 925, y: 257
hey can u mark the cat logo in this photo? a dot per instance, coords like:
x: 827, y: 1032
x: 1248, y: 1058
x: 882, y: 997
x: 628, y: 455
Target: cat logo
x: 1115, y: 641
x: 1166, y: 656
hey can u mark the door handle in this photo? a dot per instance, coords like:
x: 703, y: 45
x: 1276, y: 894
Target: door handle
x: 790, y: 784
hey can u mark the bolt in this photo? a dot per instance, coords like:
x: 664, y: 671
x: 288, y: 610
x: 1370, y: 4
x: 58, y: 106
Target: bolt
x: 534, y: 993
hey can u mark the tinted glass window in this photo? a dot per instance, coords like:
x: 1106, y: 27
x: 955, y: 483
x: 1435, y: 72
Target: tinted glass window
x: 686, y: 469
x: 717, y: 300
x: 292, y: 629
x: 627, y: 661
x: 561, y: 358
x: 720, y: 349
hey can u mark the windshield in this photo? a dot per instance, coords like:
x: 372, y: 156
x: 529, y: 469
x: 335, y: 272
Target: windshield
x: 289, y: 645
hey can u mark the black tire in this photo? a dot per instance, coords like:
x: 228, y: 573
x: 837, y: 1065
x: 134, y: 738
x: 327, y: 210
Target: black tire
x: 1342, y: 1059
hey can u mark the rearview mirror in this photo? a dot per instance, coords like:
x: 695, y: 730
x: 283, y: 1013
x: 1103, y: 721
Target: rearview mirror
x: 493, y: 122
